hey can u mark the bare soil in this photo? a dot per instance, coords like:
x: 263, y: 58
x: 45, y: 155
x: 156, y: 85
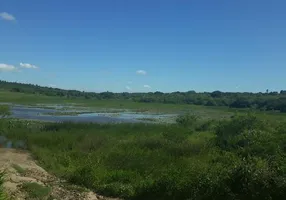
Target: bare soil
x: 33, y: 173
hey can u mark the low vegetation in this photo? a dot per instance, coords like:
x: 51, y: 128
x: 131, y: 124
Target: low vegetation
x: 239, y: 158
x: 19, y: 169
x: 67, y: 113
x: 4, y: 111
x: 36, y: 191
x: 148, y: 119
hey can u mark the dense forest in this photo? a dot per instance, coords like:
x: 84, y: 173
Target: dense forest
x: 263, y: 101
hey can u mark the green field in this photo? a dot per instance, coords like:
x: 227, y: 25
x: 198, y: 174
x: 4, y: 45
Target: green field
x: 212, y: 153
x: 241, y: 158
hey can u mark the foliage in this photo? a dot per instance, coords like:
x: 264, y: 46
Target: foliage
x: 242, y: 158
x: 227, y: 130
x: 187, y: 120
x: 19, y: 169
x: 4, y: 111
x: 36, y: 191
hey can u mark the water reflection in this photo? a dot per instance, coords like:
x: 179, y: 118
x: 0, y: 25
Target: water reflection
x: 44, y: 114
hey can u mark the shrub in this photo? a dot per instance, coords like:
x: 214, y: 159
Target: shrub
x: 187, y: 120
x: 4, y: 111
x: 208, y: 125
x: 36, y: 191
x: 226, y: 130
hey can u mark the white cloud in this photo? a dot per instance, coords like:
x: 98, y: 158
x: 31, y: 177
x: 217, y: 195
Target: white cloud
x: 146, y: 86
x: 28, y: 66
x: 141, y: 72
x: 128, y: 88
x: 7, y: 68
x: 52, y: 85
x: 7, y: 16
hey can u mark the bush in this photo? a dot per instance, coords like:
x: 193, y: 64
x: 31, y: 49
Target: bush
x: 208, y: 125
x: 187, y: 120
x: 4, y: 111
x: 227, y: 130
x: 36, y: 191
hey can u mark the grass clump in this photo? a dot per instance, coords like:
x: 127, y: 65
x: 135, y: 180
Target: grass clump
x: 19, y: 169
x: 4, y: 111
x: 69, y: 113
x: 147, y: 119
x: 36, y: 191
x: 187, y: 120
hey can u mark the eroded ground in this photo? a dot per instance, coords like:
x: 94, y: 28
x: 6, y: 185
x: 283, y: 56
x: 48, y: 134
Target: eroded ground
x: 24, y: 179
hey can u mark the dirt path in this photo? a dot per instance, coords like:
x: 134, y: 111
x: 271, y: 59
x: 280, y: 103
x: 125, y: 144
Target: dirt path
x: 26, y: 180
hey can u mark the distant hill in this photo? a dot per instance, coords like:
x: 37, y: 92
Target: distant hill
x: 261, y: 101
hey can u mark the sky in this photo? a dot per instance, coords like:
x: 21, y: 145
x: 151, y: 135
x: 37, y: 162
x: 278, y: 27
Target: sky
x: 145, y: 45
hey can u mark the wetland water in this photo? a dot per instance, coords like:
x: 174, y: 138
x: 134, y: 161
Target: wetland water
x: 46, y: 114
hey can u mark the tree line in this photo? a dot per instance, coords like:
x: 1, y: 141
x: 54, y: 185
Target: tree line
x: 263, y: 101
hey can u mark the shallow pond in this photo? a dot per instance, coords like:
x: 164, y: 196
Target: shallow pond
x: 53, y: 115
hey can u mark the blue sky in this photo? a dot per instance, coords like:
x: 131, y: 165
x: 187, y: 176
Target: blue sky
x: 179, y: 45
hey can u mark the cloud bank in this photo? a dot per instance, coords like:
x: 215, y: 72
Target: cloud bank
x: 28, y: 66
x: 7, y: 68
x: 7, y: 16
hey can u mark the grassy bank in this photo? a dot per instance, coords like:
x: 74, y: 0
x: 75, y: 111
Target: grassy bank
x: 241, y: 158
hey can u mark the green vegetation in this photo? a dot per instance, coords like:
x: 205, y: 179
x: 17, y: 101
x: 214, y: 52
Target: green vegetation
x: 19, y: 169
x: 115, y: 106
x: 187, y: 120
x: 66, y: 113
x: 36, y: 94
x: 36, y: 191
x: 148, y: 119
x: 210, y: 153
x: 240, y: 158
x: 4, y: 111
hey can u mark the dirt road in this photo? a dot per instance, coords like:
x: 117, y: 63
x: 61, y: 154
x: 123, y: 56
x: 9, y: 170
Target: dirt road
x: 26, y: 180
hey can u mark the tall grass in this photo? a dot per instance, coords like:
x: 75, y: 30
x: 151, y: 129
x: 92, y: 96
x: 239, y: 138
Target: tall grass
x: 241, y: 158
